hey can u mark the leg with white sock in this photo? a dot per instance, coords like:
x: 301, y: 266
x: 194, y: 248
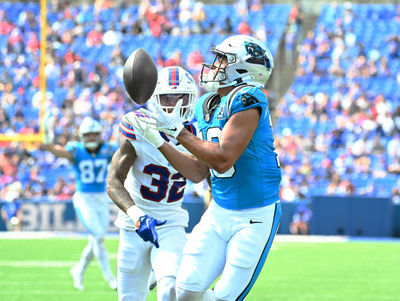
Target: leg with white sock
x: 78, y: 270
x: 93, y: 211
x: 86, y: 257
x: 100, y: 252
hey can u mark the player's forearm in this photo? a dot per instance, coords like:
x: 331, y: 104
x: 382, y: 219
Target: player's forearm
x: 118, y: 193
x: 210, y: 153
x: 118, y: 172
x: 58, y: 151
x: 189, y: 167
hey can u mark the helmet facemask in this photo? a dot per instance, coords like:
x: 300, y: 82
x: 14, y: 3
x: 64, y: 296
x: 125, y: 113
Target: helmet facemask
x: 175, y: 83
x: 167, y: 102
x: 90, y: 133
x: 213, y: 76
x: 92, y: 140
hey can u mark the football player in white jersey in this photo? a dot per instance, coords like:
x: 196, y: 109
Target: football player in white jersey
x: 90, y: 159
x: 149, y: 192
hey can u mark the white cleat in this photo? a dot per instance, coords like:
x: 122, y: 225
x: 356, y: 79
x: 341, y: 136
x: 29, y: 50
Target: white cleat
x: 112, y: 282
x: 78, y: 278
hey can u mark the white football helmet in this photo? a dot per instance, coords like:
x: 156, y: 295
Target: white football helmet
x: 89, y: 126
x: 175, y: 83
x: 248, y: 61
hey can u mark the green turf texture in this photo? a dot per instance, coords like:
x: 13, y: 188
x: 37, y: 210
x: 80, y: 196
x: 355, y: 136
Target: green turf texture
x: 39, y: 270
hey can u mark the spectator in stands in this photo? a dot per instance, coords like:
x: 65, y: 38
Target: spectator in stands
x: 242, y: 7
x: 95, y: 36
x: 226, y: 28
x: 296, y: 18
x: 195, y: 61
x: 396, y: 193
x: 174, y: 60
x: 11, y: 211
x: 198, y: 18
x: 301, y: 220
x: 244, y: 28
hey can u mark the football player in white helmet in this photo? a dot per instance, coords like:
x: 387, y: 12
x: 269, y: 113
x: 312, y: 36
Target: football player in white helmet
x: 90, y: 133
x: 90, y: 158
x: 234, y: 236
x: 149, y: 192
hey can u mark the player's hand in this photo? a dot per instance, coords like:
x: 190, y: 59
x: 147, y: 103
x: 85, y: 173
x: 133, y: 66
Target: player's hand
x: 147, y: 229
x: 169, y: 123
x: 146, y: 129
x: 48, y: 124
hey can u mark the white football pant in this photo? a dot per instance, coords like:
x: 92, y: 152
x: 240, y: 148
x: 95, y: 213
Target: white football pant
x: 233, y: 244
x: 136, y: 259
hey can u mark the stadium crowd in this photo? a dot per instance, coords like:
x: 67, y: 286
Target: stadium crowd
x: 340, y: 121
x: 337, y: 127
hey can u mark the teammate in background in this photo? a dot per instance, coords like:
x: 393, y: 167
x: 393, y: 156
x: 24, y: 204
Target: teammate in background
x: 149, y: 192
x: 235, y: 234
x: 90, y: 159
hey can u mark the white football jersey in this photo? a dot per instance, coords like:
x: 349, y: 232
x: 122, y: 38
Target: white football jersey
x: 155, y: 186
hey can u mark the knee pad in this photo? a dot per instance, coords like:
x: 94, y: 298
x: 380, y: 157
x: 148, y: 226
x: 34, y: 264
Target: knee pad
x: 184, y: 295
x: 166, y: 288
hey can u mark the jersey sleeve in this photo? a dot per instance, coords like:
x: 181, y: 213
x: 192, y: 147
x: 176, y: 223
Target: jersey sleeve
x: 247, y: 98
x: 126, y: 128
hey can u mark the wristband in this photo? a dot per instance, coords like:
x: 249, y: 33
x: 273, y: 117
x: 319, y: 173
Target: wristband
x: 134, y: 212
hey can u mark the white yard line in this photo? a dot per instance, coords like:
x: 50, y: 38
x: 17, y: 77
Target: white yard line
x: 279, y: 237
x: 46, y: 263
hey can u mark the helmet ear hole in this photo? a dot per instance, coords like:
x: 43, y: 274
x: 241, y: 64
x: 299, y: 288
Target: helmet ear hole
x: 268, y: 63
x: 241, y: 71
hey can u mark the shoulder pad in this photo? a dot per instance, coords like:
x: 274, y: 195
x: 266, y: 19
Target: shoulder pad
x: 245, y: 94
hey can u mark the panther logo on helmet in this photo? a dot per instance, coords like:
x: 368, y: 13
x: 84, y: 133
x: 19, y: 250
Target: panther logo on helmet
x: 175, y: 83
x: 238, y: 59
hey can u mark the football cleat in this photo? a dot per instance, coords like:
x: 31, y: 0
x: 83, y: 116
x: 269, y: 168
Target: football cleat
x: 112, y: 282
x: 152, y: 283
x: 78, y: 278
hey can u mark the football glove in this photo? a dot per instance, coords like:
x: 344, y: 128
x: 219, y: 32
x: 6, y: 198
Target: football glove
x: 169, y: 123
x: 144, y: 224
x: 147, y: 229
x: 147, y: 130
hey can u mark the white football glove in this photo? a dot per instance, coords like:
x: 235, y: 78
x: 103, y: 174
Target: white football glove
x: 48, y: 124
x: 169, y: 123
x: 146, y: 129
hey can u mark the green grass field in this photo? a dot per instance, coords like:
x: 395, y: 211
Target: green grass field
x: 38, y: 269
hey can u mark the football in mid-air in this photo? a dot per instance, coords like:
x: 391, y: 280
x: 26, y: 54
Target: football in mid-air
x: 140, y: 76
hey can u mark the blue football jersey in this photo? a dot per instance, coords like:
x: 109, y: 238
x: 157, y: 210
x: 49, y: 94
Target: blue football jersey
x: 91, y: 170
x: 253, y: 181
